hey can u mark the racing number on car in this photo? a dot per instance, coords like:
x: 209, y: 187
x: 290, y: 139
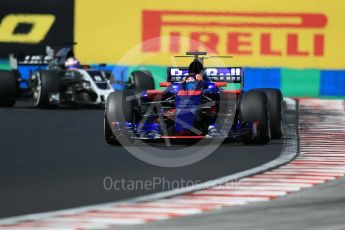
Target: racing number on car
x: 40, y: 25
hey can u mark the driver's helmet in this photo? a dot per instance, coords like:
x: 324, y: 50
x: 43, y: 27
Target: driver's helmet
x: 192, y: 82
x: 71, y: 63
x: 195, y: 67
x: 194, y: 78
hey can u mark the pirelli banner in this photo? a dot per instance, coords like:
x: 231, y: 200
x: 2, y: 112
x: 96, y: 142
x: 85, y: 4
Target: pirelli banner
x: 295, y: 45
x: 264, y: 33
x: 26, y: 27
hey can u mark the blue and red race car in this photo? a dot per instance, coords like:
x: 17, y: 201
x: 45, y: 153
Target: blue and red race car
x: 195, y: 105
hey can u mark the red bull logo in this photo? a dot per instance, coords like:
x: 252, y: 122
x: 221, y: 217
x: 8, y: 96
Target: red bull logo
x: 237, y: 33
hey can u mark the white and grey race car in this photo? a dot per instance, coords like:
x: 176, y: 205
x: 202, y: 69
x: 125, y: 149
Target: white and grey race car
x: 57, y: 78
x: 51, y: 88
x: 54, y: 87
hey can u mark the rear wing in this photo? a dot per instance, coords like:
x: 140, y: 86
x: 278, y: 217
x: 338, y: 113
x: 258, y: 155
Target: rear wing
x: 53, y: 57
x: 226, y: 74
x: 33, y: 60
x: 26, y: 64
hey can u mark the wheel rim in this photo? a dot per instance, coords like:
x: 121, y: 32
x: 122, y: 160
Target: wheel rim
x: 104, y: 127
x: 37, y: 89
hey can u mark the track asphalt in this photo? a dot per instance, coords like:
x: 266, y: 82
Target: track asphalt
x: 58, y: 159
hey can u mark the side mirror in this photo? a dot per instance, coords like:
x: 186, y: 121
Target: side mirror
x: 220, y: 84
x: 165, y: 84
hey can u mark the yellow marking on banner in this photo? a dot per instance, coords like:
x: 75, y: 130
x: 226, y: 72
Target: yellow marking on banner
x: 40, y: 25
x: 106, y: 31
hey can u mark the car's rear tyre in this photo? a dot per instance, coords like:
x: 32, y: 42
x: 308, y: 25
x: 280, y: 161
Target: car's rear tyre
x: 120, y: 110
x: 141, y: 80
x: 43, y: 85
x: 8, y: 88
x: 254, y: 109
x: 275, y: 100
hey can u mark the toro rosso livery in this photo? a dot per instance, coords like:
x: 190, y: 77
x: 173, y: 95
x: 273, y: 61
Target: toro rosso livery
x: 194, y: 105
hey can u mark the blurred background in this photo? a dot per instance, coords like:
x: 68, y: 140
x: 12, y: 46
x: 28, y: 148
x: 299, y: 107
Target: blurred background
x: 295, y: 45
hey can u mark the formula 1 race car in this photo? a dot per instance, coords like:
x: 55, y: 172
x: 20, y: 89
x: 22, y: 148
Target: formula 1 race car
x: 58, y: 78
x: 195, y: 106
x: 74, y: 85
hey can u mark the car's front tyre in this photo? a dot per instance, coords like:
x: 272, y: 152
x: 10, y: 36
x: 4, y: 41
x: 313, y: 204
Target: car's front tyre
x: 254, y: 109
x: 120, y: 112
x: 43, y: 85
x: 275, y: 100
